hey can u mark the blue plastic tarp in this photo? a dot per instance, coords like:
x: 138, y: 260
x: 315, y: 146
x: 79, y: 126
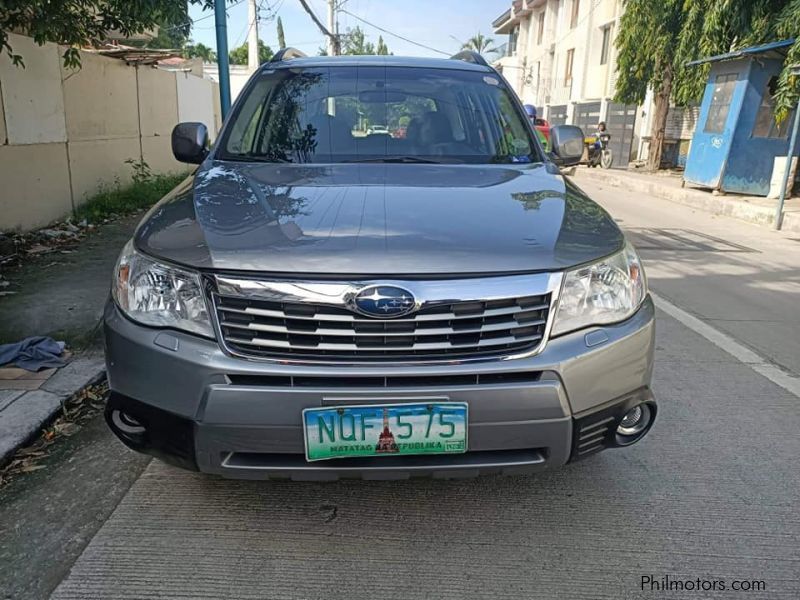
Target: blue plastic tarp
x: 33, y: 353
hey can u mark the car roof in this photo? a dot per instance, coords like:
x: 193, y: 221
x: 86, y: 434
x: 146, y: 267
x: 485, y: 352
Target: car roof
x: 378, y: 61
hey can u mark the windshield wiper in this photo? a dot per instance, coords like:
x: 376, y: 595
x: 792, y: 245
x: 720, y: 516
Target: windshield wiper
x: 394, y: 159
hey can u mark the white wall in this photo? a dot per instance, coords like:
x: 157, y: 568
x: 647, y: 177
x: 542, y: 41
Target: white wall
x: 64, y: 133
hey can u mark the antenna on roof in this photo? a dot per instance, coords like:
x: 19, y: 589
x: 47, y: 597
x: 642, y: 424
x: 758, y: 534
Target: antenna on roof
x: 287, y: 54
x: 470, y: 56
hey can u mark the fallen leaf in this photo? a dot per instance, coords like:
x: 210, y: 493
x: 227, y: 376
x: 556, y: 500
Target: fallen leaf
x: 29, y: 468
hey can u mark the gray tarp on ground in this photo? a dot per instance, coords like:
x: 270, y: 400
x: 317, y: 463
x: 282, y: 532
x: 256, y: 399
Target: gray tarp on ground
x: 33, y: 353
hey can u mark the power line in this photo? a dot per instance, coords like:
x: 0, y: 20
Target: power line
x: 192, y: 22
x: 405, y: 39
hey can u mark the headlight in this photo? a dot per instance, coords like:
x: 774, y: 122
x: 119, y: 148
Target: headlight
x: 159, y: 295
x: 607, y: 291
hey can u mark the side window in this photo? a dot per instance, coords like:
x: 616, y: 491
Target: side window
x: 765, y: 126
x: 720, y: 103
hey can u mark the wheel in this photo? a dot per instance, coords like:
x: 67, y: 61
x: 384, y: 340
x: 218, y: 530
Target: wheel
x: 606, y: 159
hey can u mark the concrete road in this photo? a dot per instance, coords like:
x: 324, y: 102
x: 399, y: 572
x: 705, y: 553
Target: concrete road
x: 741, y: 278
x: 708, y: 498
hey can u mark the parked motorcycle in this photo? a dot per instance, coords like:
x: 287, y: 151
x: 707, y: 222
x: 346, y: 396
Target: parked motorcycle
x: 598, y: 150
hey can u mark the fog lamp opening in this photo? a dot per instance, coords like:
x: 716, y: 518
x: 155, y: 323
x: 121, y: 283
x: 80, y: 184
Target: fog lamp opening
x: 127, y: 423
x: 635, y: 423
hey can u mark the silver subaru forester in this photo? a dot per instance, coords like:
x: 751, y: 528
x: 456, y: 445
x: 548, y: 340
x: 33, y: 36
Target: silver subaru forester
x: 377, y: 271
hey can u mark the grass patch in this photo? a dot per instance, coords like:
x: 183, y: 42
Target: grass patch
x: 124, y: 199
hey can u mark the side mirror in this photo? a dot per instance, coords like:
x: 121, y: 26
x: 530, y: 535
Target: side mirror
x: 190, y: 142
x: 566, y: 142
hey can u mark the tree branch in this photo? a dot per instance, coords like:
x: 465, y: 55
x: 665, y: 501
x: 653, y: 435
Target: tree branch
x: 322, y: 27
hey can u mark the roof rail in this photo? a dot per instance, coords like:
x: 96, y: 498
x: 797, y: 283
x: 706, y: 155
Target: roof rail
x: 286, y: 54
x: 470, y: 56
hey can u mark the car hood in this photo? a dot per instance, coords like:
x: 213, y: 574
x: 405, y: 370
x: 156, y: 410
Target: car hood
x: 377, y: 220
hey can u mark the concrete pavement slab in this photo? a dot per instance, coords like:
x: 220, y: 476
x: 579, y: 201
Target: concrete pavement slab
x: 79, y: 373
x: 8, y: 396
x: 25, y: 413
x: 24, y: 417
x: 709, y: 494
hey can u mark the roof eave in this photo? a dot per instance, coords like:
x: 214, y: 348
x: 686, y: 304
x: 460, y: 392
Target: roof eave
x: 775, y: 47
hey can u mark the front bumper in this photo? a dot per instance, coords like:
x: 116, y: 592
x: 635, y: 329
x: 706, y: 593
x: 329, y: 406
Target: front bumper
x: 206, y: 410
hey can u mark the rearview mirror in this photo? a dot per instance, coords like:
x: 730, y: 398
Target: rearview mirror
x: 566, y: 142
x: 190, y: 142
x: 381, y: 97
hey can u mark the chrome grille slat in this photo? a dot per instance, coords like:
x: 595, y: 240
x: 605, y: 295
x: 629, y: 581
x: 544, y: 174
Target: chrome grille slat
x: 415, y: 332
x: 421, y: 346
x: 358, y: 319
x: 455, y: 319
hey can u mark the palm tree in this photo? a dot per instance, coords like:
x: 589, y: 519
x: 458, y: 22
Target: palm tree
x: 480, y: 44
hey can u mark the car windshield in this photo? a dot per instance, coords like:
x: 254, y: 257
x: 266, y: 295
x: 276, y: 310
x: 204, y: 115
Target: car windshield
x: 378, y: 114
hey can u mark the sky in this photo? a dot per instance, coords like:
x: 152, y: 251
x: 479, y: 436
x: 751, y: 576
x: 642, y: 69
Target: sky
x: 434, y: 23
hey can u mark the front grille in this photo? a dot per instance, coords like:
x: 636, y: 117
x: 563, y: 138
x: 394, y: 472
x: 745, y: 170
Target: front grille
x: 443, y: 330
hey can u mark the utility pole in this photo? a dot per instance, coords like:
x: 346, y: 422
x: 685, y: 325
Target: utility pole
x: 332, y: 50
x: 252, y: 36
x: 794, y: 70
x: 220, y: 19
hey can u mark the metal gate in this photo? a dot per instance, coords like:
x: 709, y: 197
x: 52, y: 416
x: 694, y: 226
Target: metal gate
x: 587, y: 116
x: 620, y: 122
x: 557, y: 115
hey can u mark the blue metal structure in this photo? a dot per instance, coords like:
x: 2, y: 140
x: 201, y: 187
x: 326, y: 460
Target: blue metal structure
x: 736, y: 141
x: 220, y: 22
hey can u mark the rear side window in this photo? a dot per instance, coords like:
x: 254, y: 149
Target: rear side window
x: 720, y: 103
x: 358, y: 113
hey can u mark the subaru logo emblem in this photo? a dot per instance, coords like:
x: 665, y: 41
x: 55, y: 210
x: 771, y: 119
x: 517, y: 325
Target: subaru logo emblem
x: 385, y: 301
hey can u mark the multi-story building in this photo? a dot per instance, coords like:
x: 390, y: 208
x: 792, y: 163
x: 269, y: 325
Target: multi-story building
x: 560, y: 56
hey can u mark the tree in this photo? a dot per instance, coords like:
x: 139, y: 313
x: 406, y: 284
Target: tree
x: 85, y: 23
x: 238, y: 56
x: 354, y: 42
x: 737, y: 24
x: 281, y: 36
x: 657, y: 39
x: 480, y: 44
x: 654, y: 44
x: 382, y: 48
x: 198, y: 50
x: 170, y: 36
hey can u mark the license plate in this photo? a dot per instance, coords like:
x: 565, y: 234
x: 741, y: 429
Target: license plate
x: 385, y: 430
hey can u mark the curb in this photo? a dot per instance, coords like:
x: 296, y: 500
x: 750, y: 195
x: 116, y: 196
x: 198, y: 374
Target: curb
x: 729, y: 206
x: 23, y: 417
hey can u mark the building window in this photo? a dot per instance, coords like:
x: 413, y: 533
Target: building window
x: 540, y: 33
x: 576, y: 7
x: 604, y: 49
x: 568, y: 66
x: 720, y: 103
x: 512, y: 41
x: 765, y: 126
